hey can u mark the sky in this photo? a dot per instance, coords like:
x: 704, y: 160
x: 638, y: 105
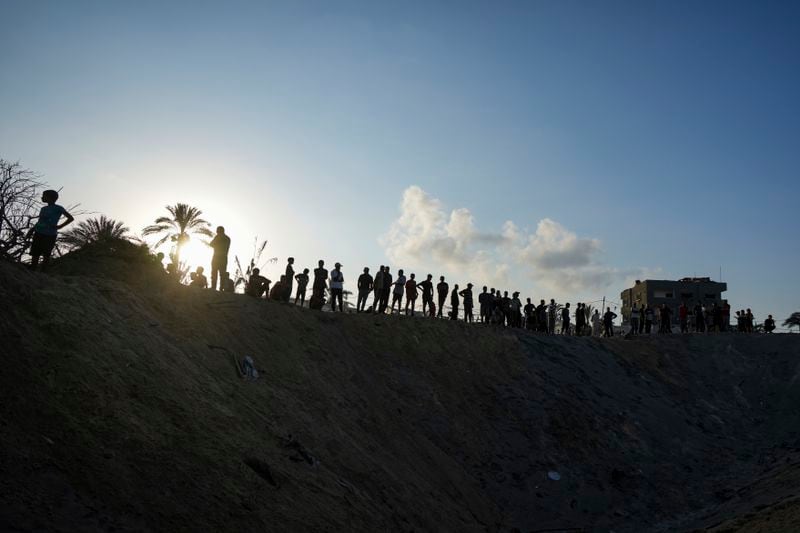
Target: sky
x: 558, y: 148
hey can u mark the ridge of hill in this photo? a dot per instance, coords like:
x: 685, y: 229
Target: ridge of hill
x: 121, y: 409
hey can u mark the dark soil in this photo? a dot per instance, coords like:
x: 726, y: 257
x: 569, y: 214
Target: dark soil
x: 121, y: 409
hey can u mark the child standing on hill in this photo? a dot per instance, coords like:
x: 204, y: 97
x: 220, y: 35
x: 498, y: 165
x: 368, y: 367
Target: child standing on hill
x: 46, y: 229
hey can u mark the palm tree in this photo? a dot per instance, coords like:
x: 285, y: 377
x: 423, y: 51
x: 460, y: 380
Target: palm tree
x: 183, y: 221
x: 101, y: 229
x: 793, y: 321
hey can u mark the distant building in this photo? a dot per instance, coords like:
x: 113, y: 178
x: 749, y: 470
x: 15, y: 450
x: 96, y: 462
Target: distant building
x: 654, y: 292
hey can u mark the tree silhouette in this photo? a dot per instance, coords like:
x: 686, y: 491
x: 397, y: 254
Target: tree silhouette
x: 183, y: 221
x: 100, y: 229
x: 19, y: 204
x: 793, y: 321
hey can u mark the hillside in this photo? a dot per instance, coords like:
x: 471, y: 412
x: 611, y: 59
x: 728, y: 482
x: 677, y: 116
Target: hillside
x: 121, y: 410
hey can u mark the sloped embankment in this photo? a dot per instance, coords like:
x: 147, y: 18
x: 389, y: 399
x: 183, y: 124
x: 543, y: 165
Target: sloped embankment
x: 120, y: 408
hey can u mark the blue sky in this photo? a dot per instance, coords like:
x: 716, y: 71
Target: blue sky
x: 655, y: 138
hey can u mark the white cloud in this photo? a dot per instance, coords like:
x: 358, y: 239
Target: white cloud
x: 555, y: 247
x: 553, y: 258
x: 424, y: 233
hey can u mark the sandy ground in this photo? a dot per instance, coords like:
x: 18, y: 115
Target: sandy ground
x: 121, y: 410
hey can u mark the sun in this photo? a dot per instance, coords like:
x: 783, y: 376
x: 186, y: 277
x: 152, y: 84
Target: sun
x: 196, y: 253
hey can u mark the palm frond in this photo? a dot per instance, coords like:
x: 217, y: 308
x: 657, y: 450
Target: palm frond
x: 203, y: 231
x: 102, y: 229
x: 183, y: 221
x: 240, y: 276
x: 155, y: 228
x: 193, y: 223
x: 162, y: 240
x: 793, y: 320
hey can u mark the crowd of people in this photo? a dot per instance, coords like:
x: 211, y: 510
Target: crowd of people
x: 700, y: 318
x: 494, y: 306
x: 386, y: 293
x: 398, y: 294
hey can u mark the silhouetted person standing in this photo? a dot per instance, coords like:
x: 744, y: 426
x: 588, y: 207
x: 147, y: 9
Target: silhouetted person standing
x: 427, y: 294
x: 495, y: 307
x: 551, y: 317
x: 565, y: 320
x: 466, y: 294
x: 515, y: 310
x: 608, y: 322
x: 718, y: 317
x: 442, y: 288
x: 454, y: 303
x: 483, y: 304
x: 504, y: 303
x: 642, y: 318
x: 377, y: 288
x: 397, y: 292
x: 411, y: 293
x: 580, y: 319
x: 634, y: 320
x: 289, y: 278
x: 665, y: 319
x: 45, y: 231
x: 529, y: 312
x: 683, y: 317
x: 337, y: 287
x: 541, y: 316
x: 701, y: 318
x: 711, y: 322
x: 365, y: 283
x: 320, y: 283
x: 649, y: 314
x: 596, y: 320
x: 387, y: 289
x: 302, y: 283
x: 221, y: 243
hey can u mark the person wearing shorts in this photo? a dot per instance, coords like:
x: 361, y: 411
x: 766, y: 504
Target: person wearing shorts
x: 46, y: 229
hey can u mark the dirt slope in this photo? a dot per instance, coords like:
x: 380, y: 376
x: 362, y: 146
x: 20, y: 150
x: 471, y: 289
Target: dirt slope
x: 120, y: 409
